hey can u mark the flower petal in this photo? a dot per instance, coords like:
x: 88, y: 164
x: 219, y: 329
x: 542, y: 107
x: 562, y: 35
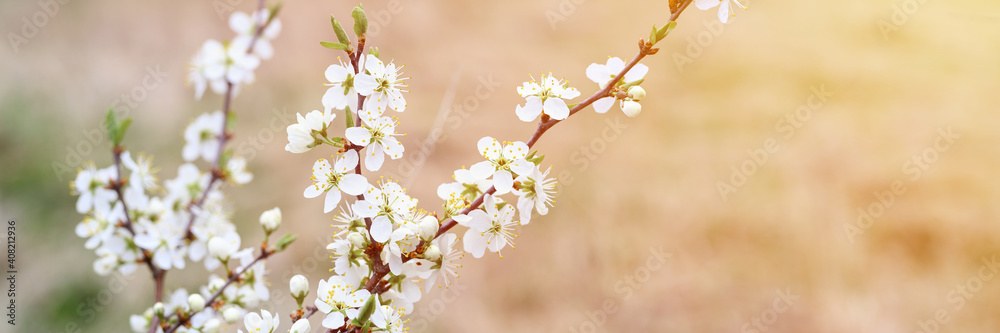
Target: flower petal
x: 530, y: 110
x: 332, y: 199
x: 604, y: 104
x: 374, y: 157
x: 556, y: 108
x: 489, y: 147
x: 353, y: 184
x: 503, y: 182
x: 381, y: 229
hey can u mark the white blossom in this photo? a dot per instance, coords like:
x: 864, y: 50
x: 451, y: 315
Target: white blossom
x: 490, y: 227
x: 202, y: 137
x: 725, y: 7
x: 502, y: 160
x: 342, y: 92
x: 302, y: 135
x: 260, y: 323
x: 334, y: 179
x: 545, y: 97
x: 339, y: 300
x: 382, y: 85
x: 378, y: 138
x: 536, y: 192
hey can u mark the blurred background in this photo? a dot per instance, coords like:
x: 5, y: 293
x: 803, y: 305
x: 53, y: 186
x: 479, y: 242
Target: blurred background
x: 813, y: 166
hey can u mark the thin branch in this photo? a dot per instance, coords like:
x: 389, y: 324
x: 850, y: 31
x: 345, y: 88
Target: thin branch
x: 224, y: 135
x: 232, y: 278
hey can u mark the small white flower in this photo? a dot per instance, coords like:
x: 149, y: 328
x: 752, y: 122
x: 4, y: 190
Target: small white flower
x: 378, y: 136
x: 271, y: 219
x: 469, y: 183
x: 336, y: 179
x: 104, y: 265
x: 300, y: 326
x: 490, y: 227
x: 302, y: 135
x: 224, y: 246
x: 603, y: 74
x: 341, y: 93
x: 389, y: 319
x: 139, y: 324
x: 143, y: 177
x: 446, y: 264
x: 90, y: 184
x: 536, y: 192
x: 236, y: 167
x: 208, y: 68
x: 502, y: 160
x: 299, y: 286
x: 382, y: 85
x: 260, y: 323
x: 725, y: 10
x: 202, y: 137
x: 246, y: 28
x: 253, y: 278
x: 339, y: 300
x: 547, y: 97
x: 387, y: 205
x: 164, y: 240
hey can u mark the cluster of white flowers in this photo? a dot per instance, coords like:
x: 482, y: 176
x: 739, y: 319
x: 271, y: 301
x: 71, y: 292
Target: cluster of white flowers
x: 386, y: 251
x: 220, y: 64
x: 130, y: 220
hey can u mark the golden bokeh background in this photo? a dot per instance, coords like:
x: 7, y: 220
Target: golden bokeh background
x: 782, y: 252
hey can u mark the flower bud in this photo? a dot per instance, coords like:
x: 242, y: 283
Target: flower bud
x: 196, y: 302
x: 215, y: 284
x: 271, y: 219
x: 433, y: 253
x: 299, y: 286
x: 356, y: 239
x: 158, y: 309
x: 631, y: 108
x: 636, y: 93
x: 221, y: 248
x: 231, y: 315
x: 301, y: 326
x: 211, y: 326
x: 428, y: 227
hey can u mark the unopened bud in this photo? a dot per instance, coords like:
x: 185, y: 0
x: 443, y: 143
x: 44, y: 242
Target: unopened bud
x: 196, y: 302
x: 299, y: 286
x: 631, y: 108
x: 433, y: 253
x: 231, y: 315
x: 636, y: 93
x: 356, y: 239
x: 271, y: 219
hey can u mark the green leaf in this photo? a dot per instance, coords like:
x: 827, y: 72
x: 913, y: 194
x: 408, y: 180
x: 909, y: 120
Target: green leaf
x: 123, y: 127
x: 335, y: 46
x: 339, y: 30
x: 663, y: 31
x: 349, y: 117
x: 631, y: 84
x: 366, y: 311
x: 274, y: 12
x: 111, y: 125
x: 360, y: 20
x: 652, y: 35
x: 284, y: 242
x: 374, y: 51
